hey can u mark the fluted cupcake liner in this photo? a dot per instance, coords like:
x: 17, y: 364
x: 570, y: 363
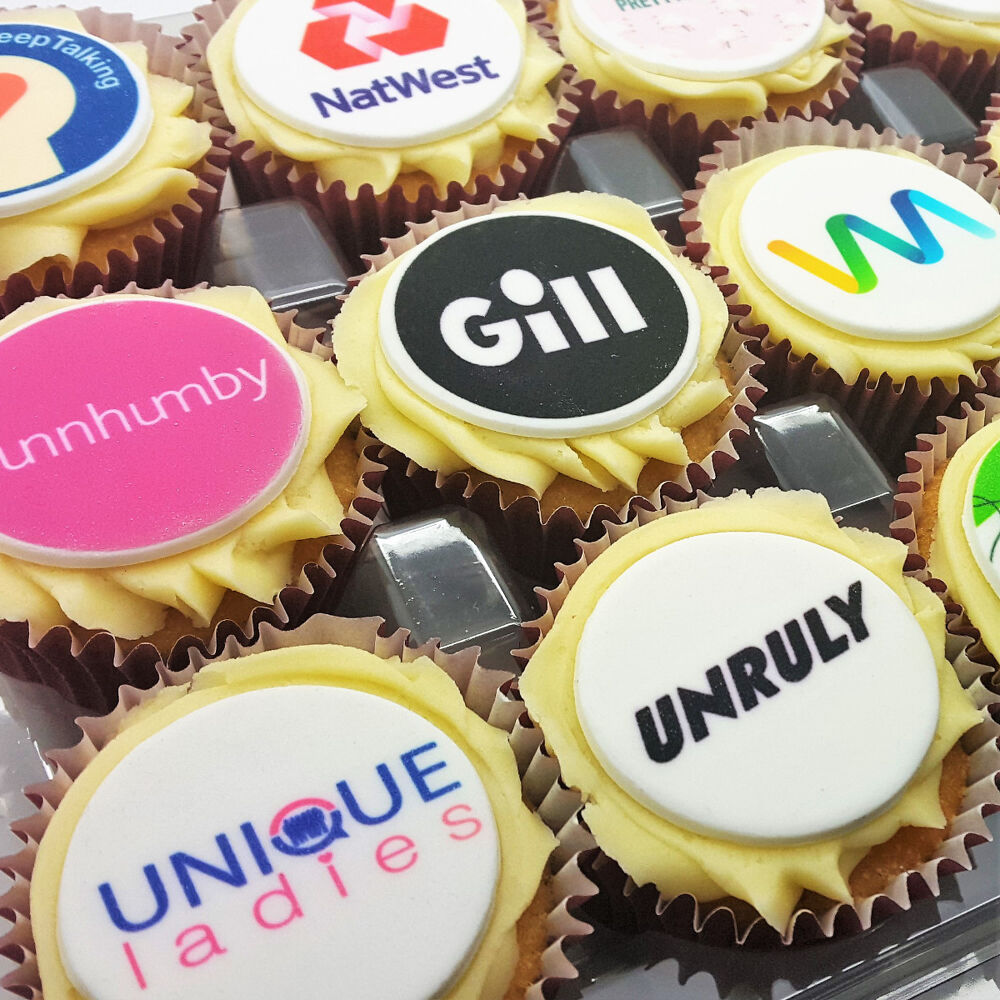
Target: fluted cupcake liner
x: 728, y: 921
x: 165, y: 248
x: 88, y: 670
x: 684, y: 139
x: 933, y: 450
x: 969, y: 75
x: 987, y: 148
x: 484, y: 691
x: 887, y: 412
x: 360, y: 222
x: 537, y: 540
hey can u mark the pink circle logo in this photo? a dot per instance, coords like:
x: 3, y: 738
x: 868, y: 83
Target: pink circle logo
x: 135, y: 428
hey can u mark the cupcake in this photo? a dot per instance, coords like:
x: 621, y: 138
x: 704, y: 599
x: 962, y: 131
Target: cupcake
x: 794, y: 745
x: 686, y: 72
x: 948, y: 515
x: 358, y: 797
x: 155, y: 486
x: 555, y: 347
x: 106, y: 166
x: 970, y: 25
x: 380, y: 113
x: 865, y: 265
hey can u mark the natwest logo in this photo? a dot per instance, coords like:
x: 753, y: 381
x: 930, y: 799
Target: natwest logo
x: 355, y: 32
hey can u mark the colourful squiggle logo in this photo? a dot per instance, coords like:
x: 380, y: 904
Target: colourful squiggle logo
x: 861, y: 277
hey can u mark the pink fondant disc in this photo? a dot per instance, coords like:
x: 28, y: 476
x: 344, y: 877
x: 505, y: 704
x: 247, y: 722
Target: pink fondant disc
x: 702, y: 39
x: 135, y: 428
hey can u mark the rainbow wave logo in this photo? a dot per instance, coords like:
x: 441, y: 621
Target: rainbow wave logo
x: 844, y: 230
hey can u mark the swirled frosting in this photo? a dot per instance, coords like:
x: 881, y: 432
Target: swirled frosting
x: 527, y: 116
x: 418, y: 686
x: 649, y: 847
x: 445, y: 443
x: 256, y: 559
x: 158, y: 177
x: 932, y: 27
x: 729, y: 100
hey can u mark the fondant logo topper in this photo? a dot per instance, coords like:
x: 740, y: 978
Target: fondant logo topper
x: 702, y: 39
x: 540, y: 324
x: 981, y: 516
x: 73, y: 111
x: 708, y: 727
x: 118, y: 446
x: 920, y: 248
x: 229, y: 887
x: 379, y: 73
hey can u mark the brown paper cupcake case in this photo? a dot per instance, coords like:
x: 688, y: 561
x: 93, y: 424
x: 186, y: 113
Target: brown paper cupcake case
x: 170, y: 247
x: 680, y: 138
x: 984, y: 154
x: 88, y: 673
x: 726, y: 922
x: 887, y: 413
x: 968, y: 76
x: 485, y: 692
x: 532, y: 542
x: 359, y: 222
x: 965, y: 646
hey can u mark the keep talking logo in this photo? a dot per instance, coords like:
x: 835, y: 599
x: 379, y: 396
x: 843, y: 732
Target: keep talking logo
x: 356, y: 32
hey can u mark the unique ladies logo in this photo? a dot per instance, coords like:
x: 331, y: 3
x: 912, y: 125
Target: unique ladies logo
x: 126, y: 425
x: 379, y: 73
x: 927, y: 265
x: 73, y: 111
x: 336, y: 823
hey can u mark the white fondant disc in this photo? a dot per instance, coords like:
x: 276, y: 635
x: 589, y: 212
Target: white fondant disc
x: 540, y: 324
x: 789, y: 755
x: 987, y: 11
x: 379, y: 73
x: 981, y: 516
x: 876, y: 245
x: 73, y: 110
x: 703, y: 39
x: 305, y: 896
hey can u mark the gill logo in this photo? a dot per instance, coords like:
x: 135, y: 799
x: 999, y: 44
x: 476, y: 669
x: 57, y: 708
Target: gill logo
x: 842, y: 228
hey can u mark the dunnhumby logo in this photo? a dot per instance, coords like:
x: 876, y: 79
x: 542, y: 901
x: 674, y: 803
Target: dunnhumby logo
x: 355, y: 32
x: 540, y: 324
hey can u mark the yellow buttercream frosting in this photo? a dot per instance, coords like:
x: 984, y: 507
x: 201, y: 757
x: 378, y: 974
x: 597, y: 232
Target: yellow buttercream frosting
x: 157, y: 178
x: 652, y: 849
x: 421, y: 687
x: 719, y: 215
x: 952, y: 559
x: 444, y: 443
x: 256, y: 559
x: 932, y: 27
x: 527, y: 116
x: 728, y: 100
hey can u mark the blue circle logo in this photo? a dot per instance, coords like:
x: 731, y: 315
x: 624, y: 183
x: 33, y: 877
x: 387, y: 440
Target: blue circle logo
x: 73, y: 111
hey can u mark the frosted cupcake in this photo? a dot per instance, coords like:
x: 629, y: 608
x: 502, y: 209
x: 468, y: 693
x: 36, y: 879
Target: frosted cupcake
x: 187, y: 477
x: 380, y: 116
x: 358, y: 796
x: 970, y: 25
x: 686, y: 71
x: 106, y: 162
x: 863, y: 263
x: 506, y: 348
x: 706, y: 714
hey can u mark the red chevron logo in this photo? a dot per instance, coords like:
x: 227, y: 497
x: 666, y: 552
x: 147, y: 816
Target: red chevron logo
x: 356, y: 32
